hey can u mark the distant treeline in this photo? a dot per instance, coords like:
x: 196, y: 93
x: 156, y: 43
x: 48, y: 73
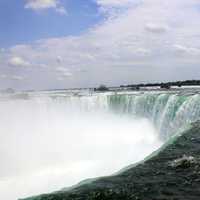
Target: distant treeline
x: 164, y: 85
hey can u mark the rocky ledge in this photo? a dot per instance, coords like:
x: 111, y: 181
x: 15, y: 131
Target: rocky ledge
x: 173, y: 173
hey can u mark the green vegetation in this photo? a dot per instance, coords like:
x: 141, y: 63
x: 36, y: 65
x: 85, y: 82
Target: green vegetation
x: 101, y: 88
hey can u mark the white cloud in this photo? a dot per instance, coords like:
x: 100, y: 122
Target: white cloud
x: 67, y: 74
x: 155, y: 28
x: 61, y: 10
x: 113, y: 7
x: 60, y: 79
x: 142, y: 51
x: 2, y: 50
x: 82, y: 70
x: 180, y: 48
x: 63, y: 72
x: 41, y: 4
x: 59, y: 59
x: 141, y: 43
x: 3, y: 76
x: 18, y: 62
x: 17, y: 78
x: 11, y: 77
x: 115, y: 3
x: 37, y: 5
x: 186, y: 50
x: 62, y: 69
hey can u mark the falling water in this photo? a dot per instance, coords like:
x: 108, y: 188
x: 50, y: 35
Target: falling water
x: 53, y: 140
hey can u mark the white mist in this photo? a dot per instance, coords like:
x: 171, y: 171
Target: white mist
x: 47, y: 145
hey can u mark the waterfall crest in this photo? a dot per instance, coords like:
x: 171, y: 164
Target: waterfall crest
x: 169, y: 112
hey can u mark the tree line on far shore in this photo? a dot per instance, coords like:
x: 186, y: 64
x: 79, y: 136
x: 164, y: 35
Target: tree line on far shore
x: 162, y: 85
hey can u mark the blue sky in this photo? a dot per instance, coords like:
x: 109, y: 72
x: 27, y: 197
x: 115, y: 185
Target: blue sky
x: 20, y: 25
x: 51, y: 44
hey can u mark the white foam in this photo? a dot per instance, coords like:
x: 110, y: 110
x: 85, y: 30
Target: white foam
x: 47, y: 145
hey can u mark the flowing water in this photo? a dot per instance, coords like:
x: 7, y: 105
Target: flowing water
x: 55, y: 139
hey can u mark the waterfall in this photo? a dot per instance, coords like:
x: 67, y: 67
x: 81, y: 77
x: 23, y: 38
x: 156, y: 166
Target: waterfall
x: 169, y: 112
x: 60, y: 138
x: 63, y: 139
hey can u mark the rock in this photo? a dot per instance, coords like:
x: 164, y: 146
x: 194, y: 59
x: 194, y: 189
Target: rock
x: 184, y: 162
